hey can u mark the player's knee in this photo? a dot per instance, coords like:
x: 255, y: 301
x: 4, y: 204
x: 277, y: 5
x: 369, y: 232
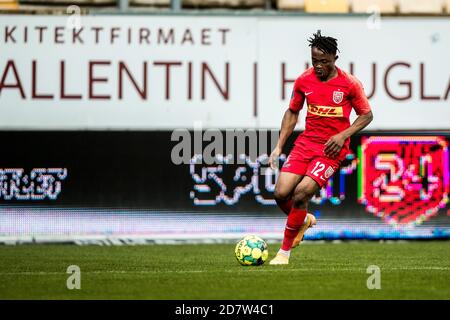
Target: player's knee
x: 280, y: 195
x: 301, y: 197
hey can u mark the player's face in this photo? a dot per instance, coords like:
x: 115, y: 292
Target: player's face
x: 323, y: 63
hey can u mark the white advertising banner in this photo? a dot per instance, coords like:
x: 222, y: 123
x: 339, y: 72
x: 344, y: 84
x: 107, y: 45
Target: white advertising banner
x: 167, y: 72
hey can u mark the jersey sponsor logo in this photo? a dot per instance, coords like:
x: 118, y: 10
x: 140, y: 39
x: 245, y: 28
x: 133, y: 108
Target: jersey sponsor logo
x: 338, y: 96
x: 308, y: 93
x: 325, y: 111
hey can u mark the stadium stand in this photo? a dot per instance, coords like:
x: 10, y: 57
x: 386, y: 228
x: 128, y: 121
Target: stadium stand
x: 156, y: 3
x: 327, y: 6
x: 9, y: 4
x: 447, y: 6
x: 291, y: 4
x: 420, y: 6
x: 385, y: 7
x: 381, y: 6
x: 150, y: 3
x: 224, y: 3
x: 70, y: 2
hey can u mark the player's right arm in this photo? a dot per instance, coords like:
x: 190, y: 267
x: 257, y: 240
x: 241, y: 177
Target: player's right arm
x: 288, y: 123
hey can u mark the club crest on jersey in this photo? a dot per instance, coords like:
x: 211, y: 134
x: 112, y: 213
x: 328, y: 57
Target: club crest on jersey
x: 338, y: 96
x: 329, y: 172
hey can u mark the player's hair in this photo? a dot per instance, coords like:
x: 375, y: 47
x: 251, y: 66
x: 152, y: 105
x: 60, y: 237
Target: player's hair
x: 325, y: 44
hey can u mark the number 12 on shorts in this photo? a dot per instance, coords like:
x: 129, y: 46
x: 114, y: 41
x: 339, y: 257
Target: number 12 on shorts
x: 318, y: 170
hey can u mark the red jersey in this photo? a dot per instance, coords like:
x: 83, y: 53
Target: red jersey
x: 329, y: 104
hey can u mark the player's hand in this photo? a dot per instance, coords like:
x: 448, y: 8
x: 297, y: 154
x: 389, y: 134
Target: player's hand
x: 334, y: 145
x: 274, y: 156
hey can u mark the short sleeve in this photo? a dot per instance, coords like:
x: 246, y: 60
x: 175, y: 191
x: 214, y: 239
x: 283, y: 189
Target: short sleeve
x: 297, y: 98
x: 358, y: 99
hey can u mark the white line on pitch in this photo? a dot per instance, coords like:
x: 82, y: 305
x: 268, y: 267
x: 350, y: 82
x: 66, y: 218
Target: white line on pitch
x: 269, y: 269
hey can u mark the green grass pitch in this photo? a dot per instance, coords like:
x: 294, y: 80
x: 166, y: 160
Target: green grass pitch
x: 409, y: 270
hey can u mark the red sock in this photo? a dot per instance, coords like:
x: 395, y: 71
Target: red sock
x: 286, y: 206
x: 294, y: 222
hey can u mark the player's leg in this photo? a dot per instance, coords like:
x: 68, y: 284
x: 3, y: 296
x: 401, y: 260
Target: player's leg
x: 304, y: 191
x: 309, y: 222
x: 320, y: 170
x: 284, y: 189
x: 286, y: 184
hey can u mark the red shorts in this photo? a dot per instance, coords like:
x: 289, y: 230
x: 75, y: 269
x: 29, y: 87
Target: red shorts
x: 308, y: 158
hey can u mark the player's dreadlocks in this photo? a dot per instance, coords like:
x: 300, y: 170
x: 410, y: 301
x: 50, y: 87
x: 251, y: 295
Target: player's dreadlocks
x: 325, y: 44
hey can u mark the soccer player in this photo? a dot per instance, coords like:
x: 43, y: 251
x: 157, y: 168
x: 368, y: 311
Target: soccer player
x: 330, y: 95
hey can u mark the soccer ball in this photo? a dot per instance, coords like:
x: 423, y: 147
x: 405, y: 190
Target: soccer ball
x: 251, y: 251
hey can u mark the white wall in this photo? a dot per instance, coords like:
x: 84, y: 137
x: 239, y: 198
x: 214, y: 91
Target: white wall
x: 247, y: 44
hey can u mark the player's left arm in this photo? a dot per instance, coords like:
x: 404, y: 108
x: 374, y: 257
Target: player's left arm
x: 361, y: 105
